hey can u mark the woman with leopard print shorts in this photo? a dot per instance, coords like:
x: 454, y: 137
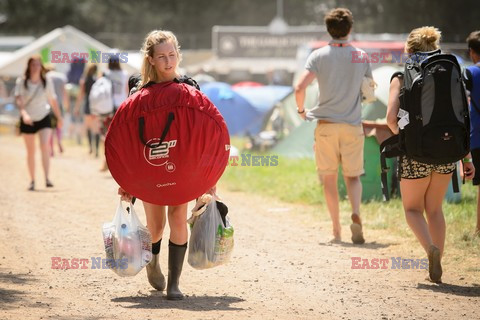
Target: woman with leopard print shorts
x: 423, y: 186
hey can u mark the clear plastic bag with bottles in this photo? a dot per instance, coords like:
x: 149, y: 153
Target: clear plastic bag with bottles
x: 128, y: 243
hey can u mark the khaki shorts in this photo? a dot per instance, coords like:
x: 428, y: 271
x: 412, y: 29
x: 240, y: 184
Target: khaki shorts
x: 339, y: 143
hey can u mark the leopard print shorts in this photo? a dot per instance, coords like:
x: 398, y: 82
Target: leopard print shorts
x: 411, y: 169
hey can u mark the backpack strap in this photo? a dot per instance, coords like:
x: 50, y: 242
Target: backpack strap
x: 389, y: 148
x: 384, y: 180
x: 187, y: 80
x: 455, y: 180
x: 398, y: 74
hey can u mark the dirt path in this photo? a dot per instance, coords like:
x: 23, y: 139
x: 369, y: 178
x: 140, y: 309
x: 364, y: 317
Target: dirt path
x: 282, y: 267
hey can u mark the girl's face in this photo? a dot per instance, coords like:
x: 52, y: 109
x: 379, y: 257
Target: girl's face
x: 35, y: 67
x: 164, y: 61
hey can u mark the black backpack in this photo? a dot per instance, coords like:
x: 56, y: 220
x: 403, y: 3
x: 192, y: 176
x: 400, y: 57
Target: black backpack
x: 434, y: 106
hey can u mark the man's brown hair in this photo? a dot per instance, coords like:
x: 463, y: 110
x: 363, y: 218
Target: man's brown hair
x: 473, y: 41
x: 339, y: 22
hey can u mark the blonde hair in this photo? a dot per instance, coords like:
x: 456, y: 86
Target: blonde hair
x: 153, y: 38
x: 423, y: 39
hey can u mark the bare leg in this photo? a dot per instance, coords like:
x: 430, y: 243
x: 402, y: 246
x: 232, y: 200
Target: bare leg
x: 177, y: 220
x: 433, y: 206
x: 156, y: 220
x: 354, y: 191
x: 59, y: 139
x: 413, y: 198
x: 30, y: 145
x: 44, y: 136
x: 331, y: 197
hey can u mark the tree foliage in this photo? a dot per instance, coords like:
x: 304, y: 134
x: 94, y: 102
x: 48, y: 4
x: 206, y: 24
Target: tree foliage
x: 123, y: 24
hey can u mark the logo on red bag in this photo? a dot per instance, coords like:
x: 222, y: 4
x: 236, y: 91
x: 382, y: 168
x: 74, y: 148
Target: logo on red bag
x: 159, y: 155
x: 170, y: 167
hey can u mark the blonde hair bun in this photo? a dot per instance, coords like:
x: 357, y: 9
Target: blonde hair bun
x: 423, y: 39
x: 430, y: 34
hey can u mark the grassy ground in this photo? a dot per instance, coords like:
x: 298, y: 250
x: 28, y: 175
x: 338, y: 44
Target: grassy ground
x: 295, y: 181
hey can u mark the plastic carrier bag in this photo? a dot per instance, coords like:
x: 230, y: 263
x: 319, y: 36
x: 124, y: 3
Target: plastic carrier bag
x: 128, y: 244
x: 211, y: 240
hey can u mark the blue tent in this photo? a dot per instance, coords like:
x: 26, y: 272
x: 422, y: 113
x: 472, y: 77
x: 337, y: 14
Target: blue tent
x: 239, y: 114
x: 244, y: 108
x: 264, y: 97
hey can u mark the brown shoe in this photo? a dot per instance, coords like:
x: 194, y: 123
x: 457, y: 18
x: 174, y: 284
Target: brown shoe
x: 356, y: 228
x: 434, y: 264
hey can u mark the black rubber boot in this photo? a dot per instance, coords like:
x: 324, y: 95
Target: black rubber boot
x: 154, y: 273
x: 176, y: 255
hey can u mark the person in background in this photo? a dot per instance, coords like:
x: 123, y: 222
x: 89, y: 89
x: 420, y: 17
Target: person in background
x: 91, y: 121
x: 74, y: 75
x: 35, y: 97
x: 339, y: 137
x: 59, y: 81
x: 423, y: 186
x: 119, y: 78
x: 471, y: 78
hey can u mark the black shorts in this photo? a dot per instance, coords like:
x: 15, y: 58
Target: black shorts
x: 476, y: 163
x: 37, y: 125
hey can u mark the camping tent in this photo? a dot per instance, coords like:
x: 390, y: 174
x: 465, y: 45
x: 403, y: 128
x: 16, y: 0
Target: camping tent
x: 244, y: 108
x: 238, y: 113
x: 65, y: 40
x: 263, y: 97
x: 299, y: 136
x: 299, y: 143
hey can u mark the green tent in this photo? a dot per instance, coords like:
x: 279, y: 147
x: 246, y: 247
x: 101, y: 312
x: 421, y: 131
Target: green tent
x: 299, y: 140
x: 298, y: 135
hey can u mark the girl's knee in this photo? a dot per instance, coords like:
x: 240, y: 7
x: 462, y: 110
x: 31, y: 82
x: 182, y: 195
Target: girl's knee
x: 433, y: 212
x: 414, y: 210
x: 177, y: 216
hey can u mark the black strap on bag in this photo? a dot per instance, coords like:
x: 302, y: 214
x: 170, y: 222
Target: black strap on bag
x: 456, y: 189
x: 389, y: 148
x: 384, y: 180
x: 141, y: 127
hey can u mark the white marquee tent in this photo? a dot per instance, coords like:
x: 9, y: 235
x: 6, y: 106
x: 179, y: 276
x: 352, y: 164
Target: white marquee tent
x: 65, y: 40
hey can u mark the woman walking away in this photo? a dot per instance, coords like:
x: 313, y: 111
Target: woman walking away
x: 91, y: 122
x: 35, y: 97
x: 423, y: 186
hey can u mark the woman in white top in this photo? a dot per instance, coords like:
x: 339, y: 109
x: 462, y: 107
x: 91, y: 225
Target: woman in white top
x: 35, y: 97
x: 119, y: 80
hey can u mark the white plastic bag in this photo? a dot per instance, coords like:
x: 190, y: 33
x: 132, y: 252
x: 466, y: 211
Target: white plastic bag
x: 128, y: 244
x: 211, y: 241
